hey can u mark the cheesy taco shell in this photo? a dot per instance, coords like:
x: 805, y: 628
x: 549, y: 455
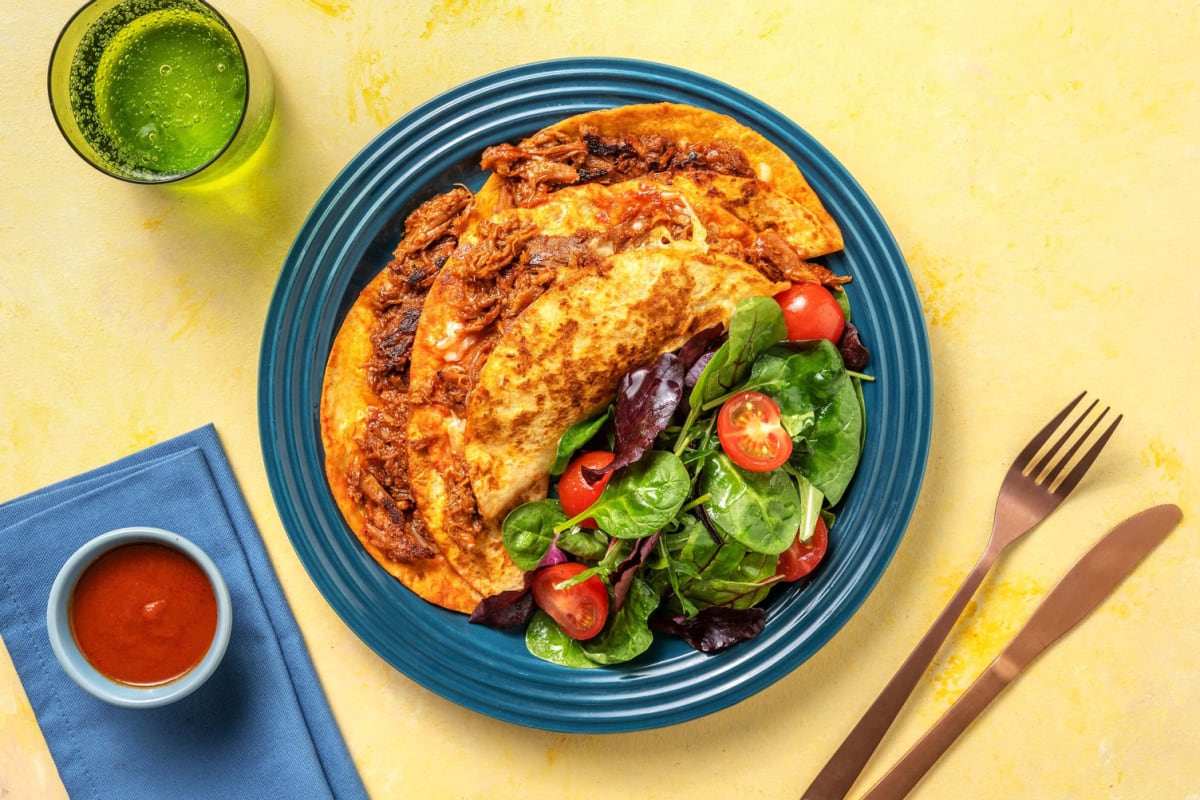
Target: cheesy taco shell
x: 612, y: 145
x: 349, y: 406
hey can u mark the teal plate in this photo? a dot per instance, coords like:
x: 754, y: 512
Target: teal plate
x: 348, y: 237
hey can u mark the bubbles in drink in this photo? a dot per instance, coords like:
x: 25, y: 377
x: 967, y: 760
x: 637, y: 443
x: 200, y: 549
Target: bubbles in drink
x: 152, y: 101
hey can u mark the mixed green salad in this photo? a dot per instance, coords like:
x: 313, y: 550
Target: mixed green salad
x: 710, y: 479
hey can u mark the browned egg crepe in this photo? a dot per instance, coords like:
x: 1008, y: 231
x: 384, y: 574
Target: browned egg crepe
x: 561, y: 360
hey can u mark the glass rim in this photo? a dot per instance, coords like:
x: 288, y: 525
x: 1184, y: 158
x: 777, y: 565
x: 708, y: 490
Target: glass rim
x: 93, y: 162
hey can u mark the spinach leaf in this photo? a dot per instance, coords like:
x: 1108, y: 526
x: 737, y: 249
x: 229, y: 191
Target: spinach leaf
x: 576, y: 437
x: 761, y: 510
x: 757, y: 324
x: 642, y: 498
x: 690, y: 548
x: 667, y: 575
x: 627, y: 634
x: 843, y: 300
x: 820, y: 408
x: 732, y: 593
x: 862, y: 410
x: 589, y: 545
x: 811, y: 501
x: 529, y: 530
x: 544, y: 639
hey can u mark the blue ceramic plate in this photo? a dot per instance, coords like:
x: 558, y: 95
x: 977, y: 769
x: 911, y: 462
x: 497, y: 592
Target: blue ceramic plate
x: 349, y: 237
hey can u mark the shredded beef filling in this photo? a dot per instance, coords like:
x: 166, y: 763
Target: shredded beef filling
x: 378, y: 485
x: 431, y: 234
x: 378, y: 479
x: 777, y: 260
x: 548, y: 161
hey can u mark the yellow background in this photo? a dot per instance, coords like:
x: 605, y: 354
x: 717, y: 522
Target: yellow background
x: 1039, y: 165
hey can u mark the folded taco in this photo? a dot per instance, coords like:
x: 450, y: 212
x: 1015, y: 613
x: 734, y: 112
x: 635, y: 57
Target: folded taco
x: 657, y: 191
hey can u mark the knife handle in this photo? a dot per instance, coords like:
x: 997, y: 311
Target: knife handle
x: 834, y: 780
x: 908, y: 771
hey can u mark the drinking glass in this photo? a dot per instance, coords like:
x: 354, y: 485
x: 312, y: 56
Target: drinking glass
x: 160, y: 91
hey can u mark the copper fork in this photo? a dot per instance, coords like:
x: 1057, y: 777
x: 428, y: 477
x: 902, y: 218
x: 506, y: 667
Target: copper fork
x: 1033, y: 487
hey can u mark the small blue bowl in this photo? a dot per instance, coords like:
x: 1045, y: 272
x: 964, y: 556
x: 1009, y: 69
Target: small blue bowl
x: 73, y: 662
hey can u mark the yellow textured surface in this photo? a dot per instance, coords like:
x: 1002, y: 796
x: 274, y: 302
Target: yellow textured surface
x: 1039, y: 165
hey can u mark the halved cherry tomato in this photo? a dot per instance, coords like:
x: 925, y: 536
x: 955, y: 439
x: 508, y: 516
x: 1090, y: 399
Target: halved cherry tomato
x: 811, y: 312
x: 801, y: 559
x: 580, y: 610
x: 751, y: 434
x: 576, y: 494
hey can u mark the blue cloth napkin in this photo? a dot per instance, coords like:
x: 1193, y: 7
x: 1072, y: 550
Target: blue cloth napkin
x: 260, y: 727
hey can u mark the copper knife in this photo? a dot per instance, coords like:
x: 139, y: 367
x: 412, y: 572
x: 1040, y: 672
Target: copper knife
x: 1079, y: 592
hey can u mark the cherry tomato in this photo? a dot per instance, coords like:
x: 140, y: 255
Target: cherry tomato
x: 751, y: 434
x: 575, y: 493
x: 580, y: 610
x: 811, y: 312
x: 801, y: 559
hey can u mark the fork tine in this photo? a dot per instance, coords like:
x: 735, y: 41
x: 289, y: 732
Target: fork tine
x: 1035, y: 444
x: 1041, y: 465
x: 1072, y: 479
x: 1050, y: 477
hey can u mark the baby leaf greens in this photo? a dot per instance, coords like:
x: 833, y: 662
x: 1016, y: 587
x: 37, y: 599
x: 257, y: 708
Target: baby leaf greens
x: 715, y: 628
x: 646, y: 401
x: 626, y: 636
x: 759, y: 509
x: 529, y: 532
x: 819, y: 406
x: 684, y: 540
x: 643, y: 498
x: 756, y: 325
x: 576, y: 437
x: 708, y: 570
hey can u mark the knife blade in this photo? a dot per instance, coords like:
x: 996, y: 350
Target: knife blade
x: 1075, y: 596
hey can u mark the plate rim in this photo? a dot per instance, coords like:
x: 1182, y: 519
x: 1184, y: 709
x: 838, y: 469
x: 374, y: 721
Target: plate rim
x: 279, y: 455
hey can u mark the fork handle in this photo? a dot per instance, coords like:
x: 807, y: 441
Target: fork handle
x: 844, y: 766
x: 908, y: 771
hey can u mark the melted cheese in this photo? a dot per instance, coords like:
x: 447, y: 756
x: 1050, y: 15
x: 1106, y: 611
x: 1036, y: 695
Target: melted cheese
x: 453, y: 343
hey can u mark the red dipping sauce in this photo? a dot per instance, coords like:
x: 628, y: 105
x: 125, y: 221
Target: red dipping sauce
x: 143, y: 614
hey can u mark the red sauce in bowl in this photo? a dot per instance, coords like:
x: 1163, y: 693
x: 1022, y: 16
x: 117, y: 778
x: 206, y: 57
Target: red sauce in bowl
x: 143, y: 614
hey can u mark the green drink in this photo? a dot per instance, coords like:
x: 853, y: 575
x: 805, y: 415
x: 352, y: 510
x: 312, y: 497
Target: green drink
x: 157, y: 89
